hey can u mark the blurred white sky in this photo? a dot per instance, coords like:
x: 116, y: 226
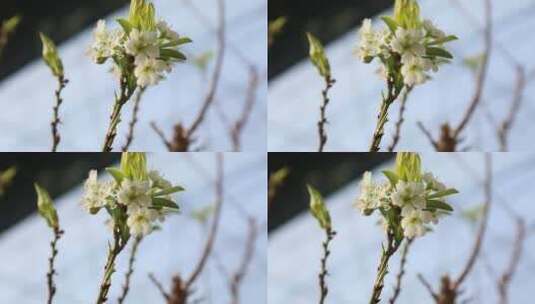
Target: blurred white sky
x: 26, y: 98
x: 82, y: 250
x: 292, y: 272
x: 294, y: 109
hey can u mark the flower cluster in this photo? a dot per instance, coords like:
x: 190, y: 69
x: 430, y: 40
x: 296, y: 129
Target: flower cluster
x: 409, y: 200
x: 408, y: 48
x: 134, y: 198
x: 142, y: 49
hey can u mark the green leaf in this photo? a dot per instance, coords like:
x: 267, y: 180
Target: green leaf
x: 391, y: 23
x: 178, y: 42
x: 440, y: 194
x: 51, y: 56
x: 160, y: 203
x: 126, y: 25
x: 444, y: 40
x: 436, y: 204
x: 169, y: 191
x: 170, y: 53
x: 45, y: 207
x: 318, y: 209
x: 117, y: 174
x: 392, y: 177
x: 408, y: 166
x: 438, y: 52
x: 318, y: 56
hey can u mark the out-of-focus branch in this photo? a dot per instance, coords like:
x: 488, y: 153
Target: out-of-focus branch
x: 130, y: 271
x: 184, y: 136
x: 401, y: 273
x: 250, y: 99
x: 237, y: 278
x: 133, y: 121
x: 518, y: 94
x: 401, y: 118
x: 518, y: 247
x: 450, y: 137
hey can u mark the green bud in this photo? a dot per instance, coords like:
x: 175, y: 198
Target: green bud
x: 46, y: 207
x: 407, y: 13
x: 134, y: 165
x: 10, y: 24
x: 318, y: 209
x: 318, y: 56
x: 408, y: 166
x: 50, y: 56
x: 276, y: 26
x: 142, y: 15
x: 6, y: 178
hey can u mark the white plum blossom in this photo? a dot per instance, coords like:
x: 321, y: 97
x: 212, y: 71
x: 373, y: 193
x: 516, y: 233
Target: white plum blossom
x: 432, y: 30
x: 149, y: 71
x: 415, y: 70
x: 141, y: 221
x: 158, y: 181
x: 96, y: 193
x: 414, y: 223
x: 411, y: 48
x: 369, y: 198
x: 409, y: 196
x: 370, y: 45
x: 142, y: 45
x: 134, y: 194
x: 432, y: 182
x: 409, y: 44
x: 166, y: 32
x: 105, y: 42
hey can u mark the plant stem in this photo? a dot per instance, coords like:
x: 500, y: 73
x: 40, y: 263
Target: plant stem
x: 323, y: 273
x: 329, y: 82
x: 51, y: 270
x: 109, y: 268
x: 115, y: 117
x: 62, y: 82
x: 382, y: 118
x: 128, y: 275
x: 382, y: 269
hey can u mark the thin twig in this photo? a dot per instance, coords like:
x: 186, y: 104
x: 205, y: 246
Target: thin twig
x: 329, y: 82
x: 518, y: 94
x: 401, y: 119
x: 133, y: 121
x: 386, y: 253
x: 130, y: 271
x: 483, y: 226
x: 51, y: 268
x: 516, y: 255
x: 427, y: 285
x: 159, y: 286
x: 208, y: 100
x: 109, y: 268
x: 480, y: 81
x: 399, y: 277
x: 161, y: 135
x: 62, y: 82
x: 324, y: 290
x: 382, y: 117
x: 237, y: 278
x: 427, y: 134
x: 250, y: 99
x: 213, y: 229
x: 115, y: 117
